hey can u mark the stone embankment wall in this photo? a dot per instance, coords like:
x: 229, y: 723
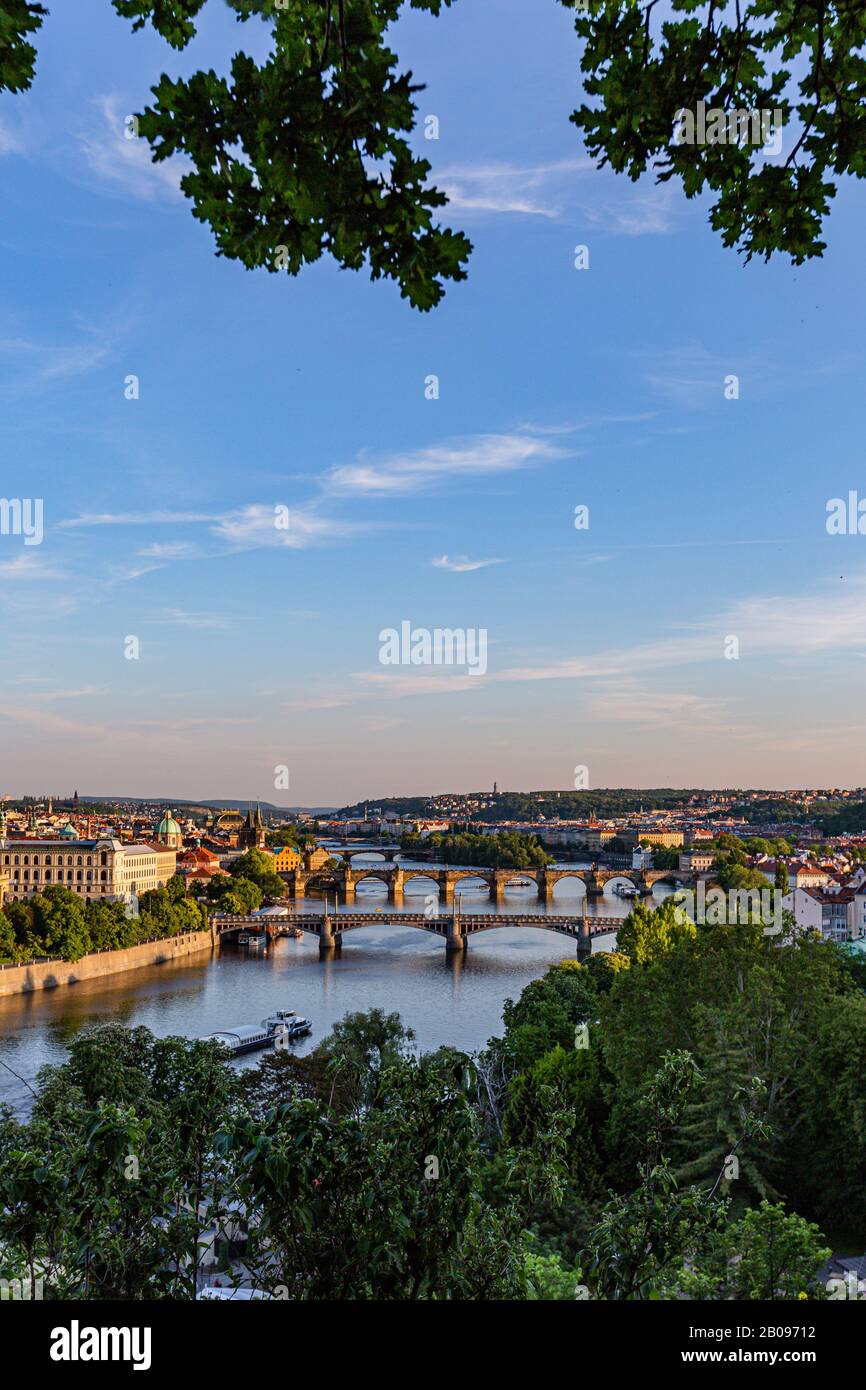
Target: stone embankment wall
x: 23, y: 979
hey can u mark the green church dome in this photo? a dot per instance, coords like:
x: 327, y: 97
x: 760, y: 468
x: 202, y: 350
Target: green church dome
x: 168, y: 825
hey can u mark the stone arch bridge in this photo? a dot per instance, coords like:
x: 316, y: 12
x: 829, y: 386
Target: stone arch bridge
x: 343, y: 881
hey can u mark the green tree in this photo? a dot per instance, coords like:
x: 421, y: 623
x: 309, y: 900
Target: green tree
x: 774, y: 1255
x: 59, y: 924
x: 360, y: 1048
x: 649, y: 933
x: 641, y: 69
x: 256, y: 866
x: 300, y: 155
x: 9, y: 949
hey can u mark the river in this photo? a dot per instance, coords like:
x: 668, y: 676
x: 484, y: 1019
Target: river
x: 444, y: 999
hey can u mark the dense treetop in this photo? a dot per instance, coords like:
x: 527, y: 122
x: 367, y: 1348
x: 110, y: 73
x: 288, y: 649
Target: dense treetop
x: 308, y: 153
x: 683, y: 1118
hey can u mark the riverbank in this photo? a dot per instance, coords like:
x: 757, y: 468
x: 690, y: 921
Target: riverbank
x: 51, y: 974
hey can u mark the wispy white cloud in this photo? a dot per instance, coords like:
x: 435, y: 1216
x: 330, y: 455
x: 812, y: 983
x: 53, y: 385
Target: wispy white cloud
x: 28, y: 567
x: 82, y: 692
x: 10, y: 141
x: 461, y: 564
x: 690, y: 376
x: 533, y: 189
x: 787, y: 627
x: 256, y: 526
x: 180, y: 617
x: 168, y: 550
x: 654, y: 709
x: 124, y: 165
x: 44, y: 362
x: 417, y: 470
x: 557, y: 188
x: 159, y: 518
x: 771, y: 625
x: 316, y: 702
x: 395, y: 685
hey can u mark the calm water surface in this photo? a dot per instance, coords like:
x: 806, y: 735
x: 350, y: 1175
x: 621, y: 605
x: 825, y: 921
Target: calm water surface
x: 456, y: 1000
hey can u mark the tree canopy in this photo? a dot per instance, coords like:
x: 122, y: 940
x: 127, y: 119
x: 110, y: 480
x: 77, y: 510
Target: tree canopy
x: 302, y: 155
x: 683, y: 1123
x: 767, y: 56
x: 308, y: 153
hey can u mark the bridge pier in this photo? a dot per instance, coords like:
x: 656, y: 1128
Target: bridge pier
x: 584, y: 940
x: 455, y: 939
x: 329, y: 940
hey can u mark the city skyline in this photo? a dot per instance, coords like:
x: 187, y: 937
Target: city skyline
x: 259, y: 646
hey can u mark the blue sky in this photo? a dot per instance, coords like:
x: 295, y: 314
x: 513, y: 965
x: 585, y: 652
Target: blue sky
x: 558, y: 387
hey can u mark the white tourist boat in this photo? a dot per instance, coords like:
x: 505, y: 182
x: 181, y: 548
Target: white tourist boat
x: 279, y: 1029
x: 288, y: 1022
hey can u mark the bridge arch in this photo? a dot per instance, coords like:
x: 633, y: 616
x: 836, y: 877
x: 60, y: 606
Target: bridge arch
x: 324, y: 882
x: 368, y: 872
x: 518, y: 878
x: 575, y: 880
x: 426, y: 880
x: 624, y: 880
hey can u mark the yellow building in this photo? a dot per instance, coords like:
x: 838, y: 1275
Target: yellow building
x: 669, y: 839
x: 286, y: 859
x: 315, y: 858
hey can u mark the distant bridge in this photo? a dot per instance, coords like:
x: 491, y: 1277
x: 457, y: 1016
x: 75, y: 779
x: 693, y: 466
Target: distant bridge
x: 454, y: 928
x: 344, y: 880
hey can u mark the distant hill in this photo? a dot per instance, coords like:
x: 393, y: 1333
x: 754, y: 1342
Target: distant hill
x: 230, y: 803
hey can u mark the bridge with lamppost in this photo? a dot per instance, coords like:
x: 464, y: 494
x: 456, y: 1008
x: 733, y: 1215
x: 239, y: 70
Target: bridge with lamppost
x: 454, y: 928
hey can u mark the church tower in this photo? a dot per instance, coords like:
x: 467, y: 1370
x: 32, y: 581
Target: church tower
x: 169, y: 833
x: 252, y: 834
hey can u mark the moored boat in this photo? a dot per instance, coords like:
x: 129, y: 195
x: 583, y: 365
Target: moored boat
x: 246, y: 1037
x: 277, y: 1030
x: 289, y: 1023
x: 255, y: 939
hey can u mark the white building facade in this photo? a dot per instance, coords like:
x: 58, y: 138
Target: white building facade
x: 98, y: 870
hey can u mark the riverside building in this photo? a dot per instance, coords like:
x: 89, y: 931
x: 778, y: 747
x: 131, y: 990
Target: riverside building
x: 102, y: 870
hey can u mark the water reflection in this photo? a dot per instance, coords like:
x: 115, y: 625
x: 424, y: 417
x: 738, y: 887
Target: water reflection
x: 445, y: 999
